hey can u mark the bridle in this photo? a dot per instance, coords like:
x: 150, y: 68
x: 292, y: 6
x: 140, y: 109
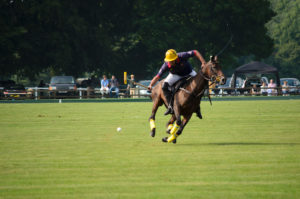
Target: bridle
x: 214, y: 78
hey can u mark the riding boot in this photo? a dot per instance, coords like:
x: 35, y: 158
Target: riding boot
x: 169, y: 110
x: 169, y: 97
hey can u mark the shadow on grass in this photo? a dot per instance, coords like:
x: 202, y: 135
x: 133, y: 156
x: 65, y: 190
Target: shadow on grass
x: 241, y: 144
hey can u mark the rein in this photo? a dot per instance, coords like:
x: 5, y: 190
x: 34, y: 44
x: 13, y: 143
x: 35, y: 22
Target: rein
x: 199, y: 94
x: 212, y: 80
x: 203, y: 90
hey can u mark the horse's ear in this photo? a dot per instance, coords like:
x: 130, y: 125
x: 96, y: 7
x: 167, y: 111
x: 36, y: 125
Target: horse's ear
x: 214, y: 58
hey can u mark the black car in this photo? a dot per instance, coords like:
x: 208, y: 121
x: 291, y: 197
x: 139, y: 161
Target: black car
x: 15, y: 91
x: 62, y: 85
x: 5, y: 84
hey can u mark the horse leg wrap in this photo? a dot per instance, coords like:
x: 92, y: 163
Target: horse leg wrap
x: 172, y: 137
x: 174, y: 129
x: 170, y: 126
x: 152, y: 124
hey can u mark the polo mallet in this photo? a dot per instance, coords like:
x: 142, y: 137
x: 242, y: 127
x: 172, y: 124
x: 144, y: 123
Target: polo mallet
x: 229, y: 41
x: 135, y: 83
x: 141, y: 85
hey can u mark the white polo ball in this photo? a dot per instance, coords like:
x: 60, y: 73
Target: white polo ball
x: 119, y: 129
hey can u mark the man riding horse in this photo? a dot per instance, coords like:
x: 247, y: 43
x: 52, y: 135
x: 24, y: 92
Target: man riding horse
x: 178, y: 66
x: 188, y: 97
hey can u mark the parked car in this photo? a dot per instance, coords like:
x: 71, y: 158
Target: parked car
x: 85, y: 82
x: 227, y: 88
x: 252, y: 80
x: 143, y: 91
x: 62, y: 85
x: 293, y: 85
x: 15, y: 91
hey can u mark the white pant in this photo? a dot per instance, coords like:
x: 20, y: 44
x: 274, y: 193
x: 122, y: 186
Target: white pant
x: 104, y: 90
x: 172, y: 78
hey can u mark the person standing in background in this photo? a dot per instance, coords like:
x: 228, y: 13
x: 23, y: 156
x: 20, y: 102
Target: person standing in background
x: 131, y: 86
x: 264, y: 89
x: 271, y: 88
x: 285, y: 88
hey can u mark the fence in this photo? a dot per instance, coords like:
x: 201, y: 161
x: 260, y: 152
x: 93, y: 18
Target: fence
x: 80, y: 93
x: 83, y: 93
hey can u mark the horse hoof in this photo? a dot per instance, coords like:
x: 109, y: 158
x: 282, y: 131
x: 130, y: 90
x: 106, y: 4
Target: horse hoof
x: 165, y: 139
x: 174, y: 141
x: 199, y: 116
x: 152, y: 133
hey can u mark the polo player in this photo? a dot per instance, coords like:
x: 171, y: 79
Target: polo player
x: 178, y: 66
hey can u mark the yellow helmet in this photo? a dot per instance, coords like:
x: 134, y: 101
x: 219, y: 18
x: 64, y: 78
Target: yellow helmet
x: 171, y: 55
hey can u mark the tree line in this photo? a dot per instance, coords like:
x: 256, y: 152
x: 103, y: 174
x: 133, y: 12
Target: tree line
x: 284, y: 28
x: 98, y: 36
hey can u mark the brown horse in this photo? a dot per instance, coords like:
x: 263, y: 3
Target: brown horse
x: 186, y: 100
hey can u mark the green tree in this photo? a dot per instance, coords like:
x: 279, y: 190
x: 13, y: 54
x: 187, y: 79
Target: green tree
x: 183, y: 25
x: 73, y: 37
x: 61, y: 35
x: 284, y: 28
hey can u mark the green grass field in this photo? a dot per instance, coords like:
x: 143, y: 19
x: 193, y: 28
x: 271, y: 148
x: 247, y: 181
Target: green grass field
x: 241, y: 149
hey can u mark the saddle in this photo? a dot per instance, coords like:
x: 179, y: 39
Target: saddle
x: 182, y: 83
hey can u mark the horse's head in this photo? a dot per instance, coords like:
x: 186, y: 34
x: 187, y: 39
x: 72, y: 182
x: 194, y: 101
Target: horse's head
x: 213, y: 71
